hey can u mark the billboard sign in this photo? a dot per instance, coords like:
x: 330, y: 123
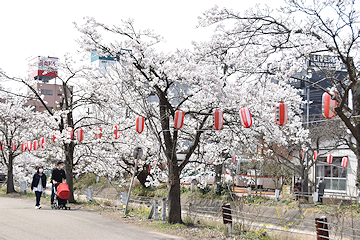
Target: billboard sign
x: 326, y: 62
x: 43, y: 66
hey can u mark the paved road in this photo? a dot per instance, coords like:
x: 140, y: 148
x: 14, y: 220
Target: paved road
x: 20, y: 220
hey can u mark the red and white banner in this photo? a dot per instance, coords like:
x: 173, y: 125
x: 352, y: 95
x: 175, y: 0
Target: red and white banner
x: 245, y: 116
x: 43, y: 66
x: 23, y: 147
x: 80, y: 134
x: 13, y: 146
x: 29, y: 146
x: 344, y: 162
x: 218, y: 119
x: 281, y: 113
x: 140, y: 121
x: 329, y: 159
x: 36, y: 144
x: 117, y: 132
x: 316, y: 154
x: 42, y: 142
x: 98, y: 133
x: 328, y: 106
x: 69, y: 133
x: 233, y: 159
x: 179, y: 119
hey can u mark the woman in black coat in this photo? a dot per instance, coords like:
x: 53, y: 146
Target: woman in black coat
x: 38, y: 185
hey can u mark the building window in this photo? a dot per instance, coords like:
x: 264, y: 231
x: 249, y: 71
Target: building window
x: 46, y: 92
x: 334, y: 175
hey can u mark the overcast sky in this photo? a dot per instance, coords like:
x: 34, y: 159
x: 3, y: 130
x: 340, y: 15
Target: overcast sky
x: 45, y: 28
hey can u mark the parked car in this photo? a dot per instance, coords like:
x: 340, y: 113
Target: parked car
x: 2, y: 177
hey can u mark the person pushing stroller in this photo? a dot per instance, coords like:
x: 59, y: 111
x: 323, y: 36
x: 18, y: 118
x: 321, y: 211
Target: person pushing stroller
x: 57, y: 176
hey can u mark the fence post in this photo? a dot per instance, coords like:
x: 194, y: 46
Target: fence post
x: 163, y: 210
x: 321, y: 225
x: 156, y: 210
x: 227, y: 217
x: 192, y: 186
x: 89, y: 194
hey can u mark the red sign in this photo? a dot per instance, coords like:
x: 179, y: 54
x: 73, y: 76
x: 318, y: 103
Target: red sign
x: 281, y: 113
x: 140, y: 121
x: 179, y: 119
x: 218, y: 119
x: 245, y: 117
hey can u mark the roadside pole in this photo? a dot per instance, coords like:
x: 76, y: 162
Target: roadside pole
x: 137, y: 155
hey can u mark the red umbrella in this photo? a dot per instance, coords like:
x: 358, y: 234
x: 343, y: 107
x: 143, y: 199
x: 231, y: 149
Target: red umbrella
x: 281, y: 113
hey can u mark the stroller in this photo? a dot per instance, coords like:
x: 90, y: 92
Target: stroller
x: 62, y: 196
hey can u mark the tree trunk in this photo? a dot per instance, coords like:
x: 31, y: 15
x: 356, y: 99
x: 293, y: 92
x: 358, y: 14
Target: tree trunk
x: 174, y: 196
x: 10, y: 176
x: 218, y: 173
x: 69, y: 153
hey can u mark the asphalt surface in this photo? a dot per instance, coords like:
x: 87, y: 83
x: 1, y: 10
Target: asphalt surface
x: 20, y: 220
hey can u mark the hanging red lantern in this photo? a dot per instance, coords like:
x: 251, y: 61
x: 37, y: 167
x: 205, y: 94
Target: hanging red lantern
x: 42, y: 142
x: 344, y: 162
x: 218, y: 119
x: 13, y: 146
x: 329, y: 159
x: 281, y: 114
x: 69, y: 133
x: 54, y: 136
x: 328, y: 105
x: 316, y: 154
x: 140, y: 121
x: 29, y: 145
x: 179, y: 119
x: 23, y: 147
x: 80, y: 134
x: 98, y: 133
x: 2, y: 146
x: 117, y: 132
x: 233, y: 159
x: 149, y: 168
x: 245, y: 116
x: 302, y: 153
x: 36, y: 144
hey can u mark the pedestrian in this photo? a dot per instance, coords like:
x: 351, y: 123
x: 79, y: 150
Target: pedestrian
x: 57, y: 176
x: 321, y: 189
x: 38, y: 185
x: 297, y: 189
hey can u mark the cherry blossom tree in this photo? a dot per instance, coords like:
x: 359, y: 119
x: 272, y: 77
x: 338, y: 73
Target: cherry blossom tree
x: 282, y: 42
